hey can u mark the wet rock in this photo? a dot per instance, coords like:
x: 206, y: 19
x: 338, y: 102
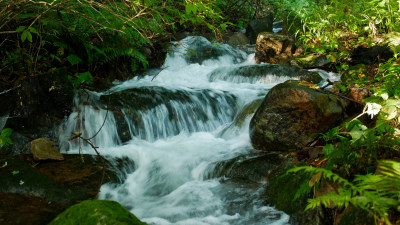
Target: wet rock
x: 310, y: 61
x: 41, y: 101
x: 21, y: 145
x: 257, y: 26
x: 16, y: 209
x: 42, y: 149
x: 63, y: 182
x: 251, y: 167
x: 268, y: 73
x: 274, y: 48
x: 176, y: 110
x: 99, y: 212
x: 36, y: 106
x: 197, y: 49
x: 290, y: 113
x: 39, y: 191
x: 369, y: 56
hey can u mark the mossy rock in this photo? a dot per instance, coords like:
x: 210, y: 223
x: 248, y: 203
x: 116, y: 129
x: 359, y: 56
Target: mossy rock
x: 99, y: 212
x: 353, y: 73
x: 310, y: 61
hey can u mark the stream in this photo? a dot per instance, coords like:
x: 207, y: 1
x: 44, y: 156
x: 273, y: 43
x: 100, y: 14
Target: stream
x: 183, y: 134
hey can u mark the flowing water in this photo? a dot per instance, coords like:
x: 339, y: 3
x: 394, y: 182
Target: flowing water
x: 177, y: 127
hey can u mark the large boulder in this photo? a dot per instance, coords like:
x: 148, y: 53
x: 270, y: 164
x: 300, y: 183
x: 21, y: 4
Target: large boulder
x: 274, y: 48
x: 99, y: 212
x: 290, y: 113
x: 257, y: 26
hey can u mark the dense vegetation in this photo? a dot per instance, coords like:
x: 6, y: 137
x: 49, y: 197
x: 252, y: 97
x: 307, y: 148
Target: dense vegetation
x: 86, y: 36
x: 360, y: 155
x: 89, y: 36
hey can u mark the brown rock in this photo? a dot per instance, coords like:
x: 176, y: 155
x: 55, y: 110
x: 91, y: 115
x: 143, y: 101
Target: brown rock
x: 274, y: 48
x: 42, y: 149
x: 289, y: 114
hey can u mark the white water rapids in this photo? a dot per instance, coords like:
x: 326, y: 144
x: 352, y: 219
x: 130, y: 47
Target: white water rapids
x: 180, y: 127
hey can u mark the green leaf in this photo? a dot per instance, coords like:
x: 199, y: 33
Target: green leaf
x: 15, y: 172
x: 20, y: 28
x: 26, y: 35
x: 33, y: 30
x: 328, y: 149
x: 190, y: 8
x: 74, y: 59
x: 6, y: 132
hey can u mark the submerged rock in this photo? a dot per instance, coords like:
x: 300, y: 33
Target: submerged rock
x: 274, y: 48
x: 290, y: 113
x: 42, y: 149
x: 251, y: 167
x: 99, y: 212
x: 265, y: 73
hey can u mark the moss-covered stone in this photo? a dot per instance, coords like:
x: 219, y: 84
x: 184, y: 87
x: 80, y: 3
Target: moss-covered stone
x: 99, y: 212
x: 310, y: 61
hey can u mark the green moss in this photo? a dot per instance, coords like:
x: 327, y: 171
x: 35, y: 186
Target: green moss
x: 99, y: 212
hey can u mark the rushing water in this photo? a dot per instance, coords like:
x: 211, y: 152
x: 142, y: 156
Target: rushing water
x: 176, y: 126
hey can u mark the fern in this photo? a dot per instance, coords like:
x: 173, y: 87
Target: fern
x: 376, y: 194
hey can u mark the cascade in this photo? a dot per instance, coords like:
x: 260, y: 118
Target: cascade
x: 181, y: 130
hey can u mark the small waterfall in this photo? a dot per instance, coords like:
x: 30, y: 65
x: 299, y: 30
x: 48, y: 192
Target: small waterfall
x: 183, y: 138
